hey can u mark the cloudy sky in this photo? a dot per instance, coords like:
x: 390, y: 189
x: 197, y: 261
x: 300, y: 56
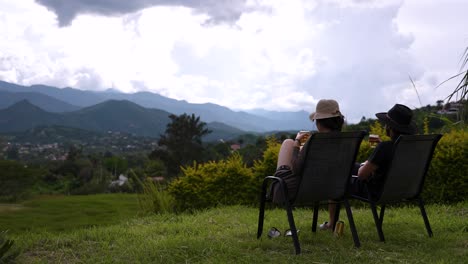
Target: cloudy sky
x: 277, y: 55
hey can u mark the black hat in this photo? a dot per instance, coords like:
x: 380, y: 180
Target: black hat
x: 399, y: 117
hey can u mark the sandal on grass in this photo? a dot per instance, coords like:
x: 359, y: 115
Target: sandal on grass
x: 325, y: 226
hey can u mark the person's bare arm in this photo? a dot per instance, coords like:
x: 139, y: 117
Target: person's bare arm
x: 366, y: 170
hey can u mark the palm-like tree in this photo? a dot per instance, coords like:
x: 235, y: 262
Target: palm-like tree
x: 461, y: 90
x: 183, y: 140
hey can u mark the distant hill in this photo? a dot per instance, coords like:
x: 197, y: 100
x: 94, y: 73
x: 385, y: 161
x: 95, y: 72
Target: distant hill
x: 222, y: 131
x: 112, y: 115
x: 72, y: 96
x: 122, y: 116
x: 208, y: 112
x: 48, y: 103
x: 23, y: 115
x: 297, y: 120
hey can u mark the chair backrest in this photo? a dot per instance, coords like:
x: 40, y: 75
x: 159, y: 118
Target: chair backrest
x: 412, y: 155
x: 328, y: 164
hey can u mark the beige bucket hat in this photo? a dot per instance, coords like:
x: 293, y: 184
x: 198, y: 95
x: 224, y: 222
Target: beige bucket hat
x: 326, y: 108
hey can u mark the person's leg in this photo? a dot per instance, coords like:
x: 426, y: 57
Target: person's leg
x: 331, y: 216
x: 355, y: 187
x: 332, y: 204
x: 285, y: 153
x: 284, y: 159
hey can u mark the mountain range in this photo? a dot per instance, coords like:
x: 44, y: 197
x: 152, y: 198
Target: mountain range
x: 141, y: 113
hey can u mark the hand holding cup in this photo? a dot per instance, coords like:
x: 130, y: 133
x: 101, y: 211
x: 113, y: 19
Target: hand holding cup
x: 374, y: 140
x: 303, y: 136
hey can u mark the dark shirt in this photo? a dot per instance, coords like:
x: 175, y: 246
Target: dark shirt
x: 381, y: 157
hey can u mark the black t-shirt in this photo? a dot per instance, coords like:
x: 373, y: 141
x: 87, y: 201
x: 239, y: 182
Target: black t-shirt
x: 381, y: 157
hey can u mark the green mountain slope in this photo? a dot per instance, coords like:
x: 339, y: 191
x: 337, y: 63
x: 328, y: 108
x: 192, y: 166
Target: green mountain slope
x: 113, y: 115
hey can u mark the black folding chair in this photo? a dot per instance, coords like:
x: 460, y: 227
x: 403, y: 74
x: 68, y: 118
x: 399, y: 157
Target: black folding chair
x: 326, y: 172
x: 412, y: 155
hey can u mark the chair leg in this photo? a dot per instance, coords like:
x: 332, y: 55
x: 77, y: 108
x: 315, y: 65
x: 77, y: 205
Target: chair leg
x: 336, y: 217
x: 261, y: 213
x: 352, y: 226
x: 382, y: 212
x: 378, y: 224
x: 292, y: 226
x: 424, y: 215
x: 315, y: 217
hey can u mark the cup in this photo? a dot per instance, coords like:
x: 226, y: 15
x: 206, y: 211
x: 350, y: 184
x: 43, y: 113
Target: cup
x: 374, y: 140
x: 306, y: 135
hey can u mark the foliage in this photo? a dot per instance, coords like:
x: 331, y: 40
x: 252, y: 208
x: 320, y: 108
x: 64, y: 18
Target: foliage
x: 461, y: 90
x: 116, y: 165
x: 16, y: 180
x: 267, y: 165
x: 155, y: 168
x: 363, y: 125
x: 182, y: 141
x: 154, y: 197
x: 447, y: 179
x: 216, y: 151
x: 253, y: 151
x: 210, y: 184
x: 5, y: 246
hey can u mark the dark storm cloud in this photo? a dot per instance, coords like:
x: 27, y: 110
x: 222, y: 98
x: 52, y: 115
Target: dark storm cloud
x: 218, y: 10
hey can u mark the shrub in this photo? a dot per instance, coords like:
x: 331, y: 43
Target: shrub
x: 447, y: 179
x: 267, y: 166
x: 154, y: 197
x: 6, y: 254
x: 16, y: 180
x: 213, y: 183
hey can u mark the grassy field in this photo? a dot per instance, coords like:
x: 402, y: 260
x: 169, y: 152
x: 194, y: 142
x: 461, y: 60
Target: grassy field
x: 228, y: 235
x: 64, y: 213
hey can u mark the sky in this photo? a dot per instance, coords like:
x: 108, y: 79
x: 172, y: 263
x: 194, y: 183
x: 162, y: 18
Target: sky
x: 280, y: 55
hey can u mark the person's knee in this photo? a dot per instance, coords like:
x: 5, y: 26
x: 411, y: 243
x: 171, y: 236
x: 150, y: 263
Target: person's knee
x: 288, y: 142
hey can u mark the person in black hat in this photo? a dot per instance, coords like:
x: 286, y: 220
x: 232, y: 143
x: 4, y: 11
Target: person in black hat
x: 398, y: 121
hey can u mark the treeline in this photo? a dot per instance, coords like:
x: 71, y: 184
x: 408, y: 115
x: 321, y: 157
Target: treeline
x: 86, y: 173
x: 193, y: 174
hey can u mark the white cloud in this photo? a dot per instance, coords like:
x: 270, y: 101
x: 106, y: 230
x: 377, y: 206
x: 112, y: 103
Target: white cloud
x: 278, y: 55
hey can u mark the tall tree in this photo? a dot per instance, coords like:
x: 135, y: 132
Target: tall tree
x: 182, y: 141
x: 461, y: 90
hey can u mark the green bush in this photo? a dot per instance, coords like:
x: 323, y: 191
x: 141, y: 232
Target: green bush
x: 154, y: 197
x: 447, y: 179
x: 231, y: 182
x: 267, y: 166
x: 16, y: 180
x: 6, y: 254
x: 215, y: 183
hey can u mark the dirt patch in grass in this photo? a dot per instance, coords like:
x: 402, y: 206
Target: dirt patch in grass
x: 5, y: 208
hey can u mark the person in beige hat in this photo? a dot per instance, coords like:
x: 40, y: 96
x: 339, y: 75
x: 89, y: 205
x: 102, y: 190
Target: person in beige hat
x: 328, y: 118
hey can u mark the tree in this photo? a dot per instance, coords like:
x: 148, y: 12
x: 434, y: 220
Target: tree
x: 12, y: 153
x: 16, y: 180
x: 182, y: 141
x: 461, y: 90
x: 116, y: 165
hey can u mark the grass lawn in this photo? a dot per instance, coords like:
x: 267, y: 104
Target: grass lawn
x: 228, y: 235
x: 64, y: 213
